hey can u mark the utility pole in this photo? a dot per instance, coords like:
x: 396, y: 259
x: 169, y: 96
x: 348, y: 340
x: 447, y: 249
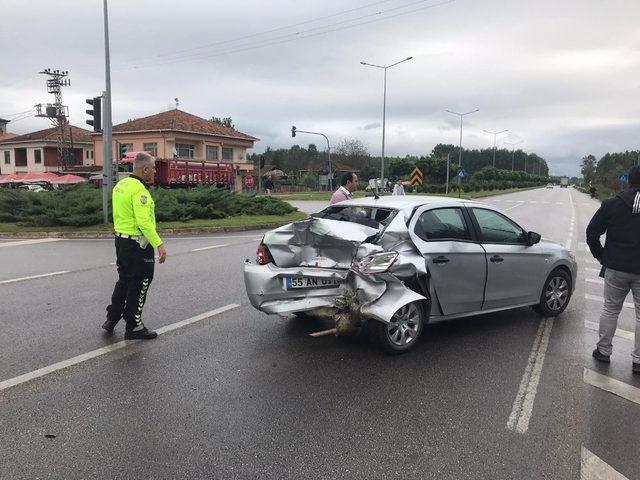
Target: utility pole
x: 107, y: 177
x: 294, y: 131
x: 58, y: 114
x: 461, y: 115
x: 495, y: 135
x: 513, y: 149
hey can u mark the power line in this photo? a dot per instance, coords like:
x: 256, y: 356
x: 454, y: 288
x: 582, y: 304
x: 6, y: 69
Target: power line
x: 265, y: 32
x: 383, y: 15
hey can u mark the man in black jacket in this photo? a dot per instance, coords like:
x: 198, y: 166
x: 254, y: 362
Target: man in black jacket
x: 619, y: 218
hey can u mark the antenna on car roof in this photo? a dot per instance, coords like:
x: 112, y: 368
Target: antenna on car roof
x: 375, y: 195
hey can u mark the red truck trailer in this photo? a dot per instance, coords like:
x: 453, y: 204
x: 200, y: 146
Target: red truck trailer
x: 186, y: 173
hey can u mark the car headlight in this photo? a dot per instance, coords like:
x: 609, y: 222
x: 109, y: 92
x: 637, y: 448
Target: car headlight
x: 376, y: 263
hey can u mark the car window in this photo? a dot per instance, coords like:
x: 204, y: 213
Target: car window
x: 496, y: 228
x: 442, y: 224
x: 374, y: 217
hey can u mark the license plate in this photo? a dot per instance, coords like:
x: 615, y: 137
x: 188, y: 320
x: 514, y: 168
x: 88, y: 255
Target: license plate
x: 291, y: 283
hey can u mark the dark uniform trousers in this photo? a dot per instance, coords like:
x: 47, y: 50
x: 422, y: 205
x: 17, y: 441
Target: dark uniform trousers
x: 135, y: 272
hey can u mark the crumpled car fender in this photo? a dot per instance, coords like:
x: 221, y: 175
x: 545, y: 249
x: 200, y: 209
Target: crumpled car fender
x: 395, y: 296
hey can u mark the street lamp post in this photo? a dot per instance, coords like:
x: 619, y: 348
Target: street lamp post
x: 513, y: 149
x: 462, y: 115
x: 495, y: 135
x: 294, y: 131
x: 384, y: 107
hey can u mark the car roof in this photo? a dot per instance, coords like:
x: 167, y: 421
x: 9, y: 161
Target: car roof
x: 409, y: 202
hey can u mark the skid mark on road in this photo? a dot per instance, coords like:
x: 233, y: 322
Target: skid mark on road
x: 523, y: 404
x: 41, y: 372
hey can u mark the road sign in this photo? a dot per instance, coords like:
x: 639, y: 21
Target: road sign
x: 623, y: 177
x: 461, y: 173
x: 416, y: 176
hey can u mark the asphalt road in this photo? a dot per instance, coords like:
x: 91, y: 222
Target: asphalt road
x: 242, y: 395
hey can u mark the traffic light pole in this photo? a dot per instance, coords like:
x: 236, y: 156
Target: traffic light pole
x: 107, y: 178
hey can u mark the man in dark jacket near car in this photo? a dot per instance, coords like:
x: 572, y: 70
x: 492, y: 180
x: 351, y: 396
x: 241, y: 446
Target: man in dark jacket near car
x: 619, y: 218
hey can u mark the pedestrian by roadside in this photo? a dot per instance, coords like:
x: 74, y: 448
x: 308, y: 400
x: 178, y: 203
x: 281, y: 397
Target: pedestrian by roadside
x: 398, y: 189
x: 348, y: 185
x: 619, y: 219
x: 268, y: 185
x: 134, y: 223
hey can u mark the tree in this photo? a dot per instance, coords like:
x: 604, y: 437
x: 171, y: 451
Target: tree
x: 588, y: 168
x: 226, y: 121
x: 351, y: 150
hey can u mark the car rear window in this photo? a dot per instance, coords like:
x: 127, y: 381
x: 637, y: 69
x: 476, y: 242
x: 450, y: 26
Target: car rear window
x: 374, y: 217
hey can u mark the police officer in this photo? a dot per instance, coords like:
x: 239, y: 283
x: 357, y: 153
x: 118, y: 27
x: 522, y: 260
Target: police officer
x: 136, y: 237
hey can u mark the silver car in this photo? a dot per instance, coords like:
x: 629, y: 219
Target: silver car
x: 397, y: 263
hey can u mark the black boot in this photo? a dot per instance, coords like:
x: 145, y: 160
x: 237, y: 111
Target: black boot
x: 109, y: 325
x: 142, y: 334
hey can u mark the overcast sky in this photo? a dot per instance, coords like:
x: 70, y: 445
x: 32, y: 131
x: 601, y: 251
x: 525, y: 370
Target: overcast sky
x: 562, y: 76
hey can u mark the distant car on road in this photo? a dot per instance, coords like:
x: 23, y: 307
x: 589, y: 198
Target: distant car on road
x: 549, y: 185
x: 397, y: 263
x: 564, y: 182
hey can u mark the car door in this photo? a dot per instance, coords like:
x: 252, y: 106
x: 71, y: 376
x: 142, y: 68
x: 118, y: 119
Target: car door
x: 515, y: 270
x: 456, y: 262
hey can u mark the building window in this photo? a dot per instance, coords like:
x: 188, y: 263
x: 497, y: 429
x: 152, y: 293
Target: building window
x: 126, y: 147
x: 186, y: 150
x: 227, y: 154
x: 86, y: 154
x: 152, y: 148
x: 7, y: 157
x: 37, y: 156
x: 212, y: 152
x: 91, y: 151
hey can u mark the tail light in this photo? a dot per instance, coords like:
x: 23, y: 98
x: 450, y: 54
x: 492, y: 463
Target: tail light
x: 263, y: 255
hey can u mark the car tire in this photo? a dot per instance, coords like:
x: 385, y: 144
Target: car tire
x: 403, y: 331
x: 555, y: 295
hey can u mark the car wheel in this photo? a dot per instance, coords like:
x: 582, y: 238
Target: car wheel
x: 555, y: 294
x: 404, y: 329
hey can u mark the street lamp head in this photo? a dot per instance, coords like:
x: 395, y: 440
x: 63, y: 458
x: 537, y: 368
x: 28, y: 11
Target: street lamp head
x: 362, y: 63
x: 408, y: 58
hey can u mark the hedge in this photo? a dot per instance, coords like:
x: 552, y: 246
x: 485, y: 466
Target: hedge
x: 82, y: 206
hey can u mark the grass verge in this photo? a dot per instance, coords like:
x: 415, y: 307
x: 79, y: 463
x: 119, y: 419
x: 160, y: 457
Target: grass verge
x: 326, y: 196
x: 239, y: 222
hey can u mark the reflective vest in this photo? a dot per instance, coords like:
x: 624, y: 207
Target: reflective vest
x: 133, y: 210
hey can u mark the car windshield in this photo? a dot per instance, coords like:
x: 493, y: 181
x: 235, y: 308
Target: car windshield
x: 374, y: 217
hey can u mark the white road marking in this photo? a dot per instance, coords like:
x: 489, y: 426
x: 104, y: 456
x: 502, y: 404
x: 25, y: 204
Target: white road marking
x: 29, y: 242
x: 22, y: 279
x: 584, y: 246
x: 509, y: 201
x: 41, y: 372
x: 533, y: 201
x: 113, y: 263
x: 598, y: 281
x: 593, y: 467
x: 511, y: 208
x: 593, y: 270
x: 597, y: 298
x: 523, y: 404
x: 559, y: 203
x: 210, y: 247
x: 592, y: 261
x: 567, y: 245
x: 611, y: 385
x: 619, y: 332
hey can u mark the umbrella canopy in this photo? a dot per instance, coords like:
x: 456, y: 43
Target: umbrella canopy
x: 8, y: 178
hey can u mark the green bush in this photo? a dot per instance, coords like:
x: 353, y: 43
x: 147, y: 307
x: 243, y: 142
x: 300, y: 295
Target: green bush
x: 82, y: 206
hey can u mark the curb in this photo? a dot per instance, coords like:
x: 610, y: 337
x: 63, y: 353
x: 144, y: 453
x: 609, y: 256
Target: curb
x: 170, y: 232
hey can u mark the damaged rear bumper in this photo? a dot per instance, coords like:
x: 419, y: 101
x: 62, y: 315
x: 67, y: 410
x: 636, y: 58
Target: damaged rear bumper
x: 356, y: 297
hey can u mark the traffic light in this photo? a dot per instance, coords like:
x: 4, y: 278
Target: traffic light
x: 261, y: 161
x: 293, y: 131
x: 122, y: 150
x: 96, y: 113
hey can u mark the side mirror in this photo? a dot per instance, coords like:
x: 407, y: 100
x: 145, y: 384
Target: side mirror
x: 533, y: 238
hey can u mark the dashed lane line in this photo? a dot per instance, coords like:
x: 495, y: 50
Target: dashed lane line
x: 611, y: 385
x: 32, y: 277
x: 593, y: 467
x: 210, y: 247
x: 523, y: 403
x: 511, y: 208
x: 619, y: 332
x: 598, y: 281
x: 41, y: 372
x: 29, y: 242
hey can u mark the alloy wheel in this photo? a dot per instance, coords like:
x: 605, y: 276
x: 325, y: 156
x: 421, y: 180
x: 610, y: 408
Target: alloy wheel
x: 557, y: 293
x: 404, y: 327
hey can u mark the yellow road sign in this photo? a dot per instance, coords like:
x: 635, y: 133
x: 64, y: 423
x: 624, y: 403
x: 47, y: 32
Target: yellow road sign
x: 416, y: 176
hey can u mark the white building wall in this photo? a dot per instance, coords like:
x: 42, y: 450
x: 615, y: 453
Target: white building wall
x: 4, y: 168
x: 32, y: 166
